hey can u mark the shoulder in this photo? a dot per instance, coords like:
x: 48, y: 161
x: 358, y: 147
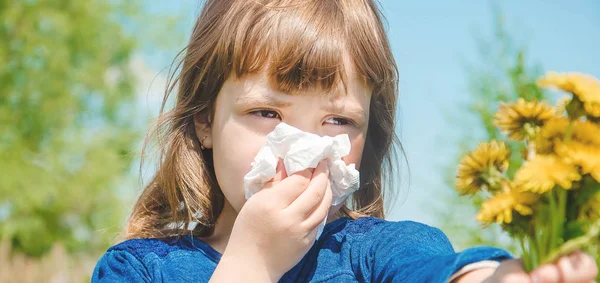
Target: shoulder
x: 408, y: 232
x: 367, y: 224
x: 124, y: 262
x: 139, y: 248
x: 143, y: 259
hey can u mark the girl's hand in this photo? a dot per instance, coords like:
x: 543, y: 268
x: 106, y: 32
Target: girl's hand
x: 576, y: 267
x: 277, y: 226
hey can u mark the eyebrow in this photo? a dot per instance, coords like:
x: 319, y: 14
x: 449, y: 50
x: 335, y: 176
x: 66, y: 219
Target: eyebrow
x: 350, y: 111
x: 262, y: 100
x: 271, y: 101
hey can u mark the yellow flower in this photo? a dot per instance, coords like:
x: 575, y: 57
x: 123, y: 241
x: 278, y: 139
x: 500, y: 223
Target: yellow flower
x: 499, y: 209
x: 519, y: 120
x: 590, y: 210
x: 553, y: 130
x: 543, y: 172
x: 586, y: 132
x: 482, y: 167
x: 586, y: 156
x: 585, y: 88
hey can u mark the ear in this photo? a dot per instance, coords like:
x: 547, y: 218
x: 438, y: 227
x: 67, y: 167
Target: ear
x: 203, y: 127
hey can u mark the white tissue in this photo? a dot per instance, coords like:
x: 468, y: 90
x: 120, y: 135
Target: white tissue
x: 299, y: 151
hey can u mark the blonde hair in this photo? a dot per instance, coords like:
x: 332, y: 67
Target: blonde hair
x: 300, y: 46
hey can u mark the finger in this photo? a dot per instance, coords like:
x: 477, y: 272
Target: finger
x: 588, y: 264
x: 280, y: 174
x: 547, y: 273
x: 308, y: 200
x: 512, y: 270
x: 319, y: 213
x: 291, y: 187
x: 577, y: 267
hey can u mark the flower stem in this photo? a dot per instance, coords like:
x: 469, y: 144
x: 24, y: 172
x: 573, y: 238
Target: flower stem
x: 530, y: 150
x: 574, y: 244
x: 553, y: 213
x: 525, y: 256
x: 562, y: 216
x: 535, y: 255
x: 569, y: 131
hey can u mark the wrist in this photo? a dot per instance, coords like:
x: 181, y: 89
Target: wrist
x: 477, y: 275
x: 239, y: 267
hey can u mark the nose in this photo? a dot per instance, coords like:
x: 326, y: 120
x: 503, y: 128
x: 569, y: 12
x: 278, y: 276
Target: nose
x: 305, y: 123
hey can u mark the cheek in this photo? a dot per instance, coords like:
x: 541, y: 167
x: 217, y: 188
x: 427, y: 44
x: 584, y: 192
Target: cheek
x: 233, y: 152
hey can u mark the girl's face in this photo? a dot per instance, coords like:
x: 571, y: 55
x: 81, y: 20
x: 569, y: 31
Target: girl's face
x: 247, y: 109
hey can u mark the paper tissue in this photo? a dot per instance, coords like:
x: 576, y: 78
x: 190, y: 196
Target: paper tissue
x: 299, y: 151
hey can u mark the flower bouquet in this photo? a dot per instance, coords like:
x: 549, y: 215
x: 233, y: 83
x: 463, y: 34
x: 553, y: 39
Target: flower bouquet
x: 550, y: 199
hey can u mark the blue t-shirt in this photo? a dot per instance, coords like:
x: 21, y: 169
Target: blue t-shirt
x: 367, y: 249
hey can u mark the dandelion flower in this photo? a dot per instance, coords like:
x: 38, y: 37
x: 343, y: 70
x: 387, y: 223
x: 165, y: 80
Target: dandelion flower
x: 586, y: 156
x: 482, y: 167
x: 516, y: 119
x: 543, y: 172
x: 586, y: 132
x: 500, y: 208
x: 553, y: 130
x: 585, y: 88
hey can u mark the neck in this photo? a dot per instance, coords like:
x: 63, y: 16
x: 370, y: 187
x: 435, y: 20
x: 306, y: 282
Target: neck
x: 220, y: 236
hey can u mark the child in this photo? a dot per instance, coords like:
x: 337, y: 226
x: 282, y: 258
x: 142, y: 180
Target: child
x: 322, y: 66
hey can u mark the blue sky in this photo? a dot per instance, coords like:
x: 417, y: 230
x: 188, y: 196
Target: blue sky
x: 431, y: 40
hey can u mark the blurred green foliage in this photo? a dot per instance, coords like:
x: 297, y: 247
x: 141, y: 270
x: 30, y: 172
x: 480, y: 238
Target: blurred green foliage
x: 66, y: 131
x: 502, y: 74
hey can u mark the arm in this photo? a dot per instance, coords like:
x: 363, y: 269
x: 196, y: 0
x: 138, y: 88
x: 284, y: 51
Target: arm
x: 413, y: 251
x: 575, y: 267
x: 236, y: 269
x: 478, y: 275
x: 473, y: 272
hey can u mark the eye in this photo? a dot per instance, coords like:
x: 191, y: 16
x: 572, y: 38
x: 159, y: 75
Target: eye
x: 268, y: 114
x: 339, y: 121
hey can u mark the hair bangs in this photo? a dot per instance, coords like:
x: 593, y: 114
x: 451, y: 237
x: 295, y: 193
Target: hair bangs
x: 314, y: 46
